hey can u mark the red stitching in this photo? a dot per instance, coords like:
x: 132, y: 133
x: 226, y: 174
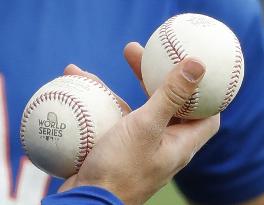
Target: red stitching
x: 170, y: 42
x: 177, y: 53
x: 190, y: 105
x: 235, y: 76
x: 81, y: 114
x: 99, y: 85
x: 53, y: 95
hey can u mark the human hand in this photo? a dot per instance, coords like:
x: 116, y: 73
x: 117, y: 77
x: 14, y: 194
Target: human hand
x: 145, y: 149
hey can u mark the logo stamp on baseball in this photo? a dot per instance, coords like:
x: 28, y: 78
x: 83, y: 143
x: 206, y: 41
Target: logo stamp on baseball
x: 50, y: 128
x: 63, y: 121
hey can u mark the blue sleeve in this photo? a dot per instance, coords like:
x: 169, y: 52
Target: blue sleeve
x: 85, y: 195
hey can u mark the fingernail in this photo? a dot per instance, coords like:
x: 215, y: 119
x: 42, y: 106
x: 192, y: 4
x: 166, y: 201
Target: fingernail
x: 193, y: 70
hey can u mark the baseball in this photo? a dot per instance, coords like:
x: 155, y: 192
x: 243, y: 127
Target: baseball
x: 63, y: 121
x: 203, y: 38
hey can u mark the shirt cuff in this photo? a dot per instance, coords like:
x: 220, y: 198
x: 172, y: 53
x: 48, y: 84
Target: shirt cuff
x: 84, y: 195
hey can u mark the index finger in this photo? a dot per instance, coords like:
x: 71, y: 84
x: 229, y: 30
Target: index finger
x: 133, y: 52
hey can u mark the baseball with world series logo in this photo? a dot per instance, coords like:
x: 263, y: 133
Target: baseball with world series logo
x: 63, y: 121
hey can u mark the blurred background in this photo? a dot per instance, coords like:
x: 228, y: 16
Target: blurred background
x: 169, y: 195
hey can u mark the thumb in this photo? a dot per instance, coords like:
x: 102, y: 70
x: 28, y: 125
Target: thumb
x: 176, y: 89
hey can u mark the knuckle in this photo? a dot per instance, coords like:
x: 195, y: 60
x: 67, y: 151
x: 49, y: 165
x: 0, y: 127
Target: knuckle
x: 175, y: 94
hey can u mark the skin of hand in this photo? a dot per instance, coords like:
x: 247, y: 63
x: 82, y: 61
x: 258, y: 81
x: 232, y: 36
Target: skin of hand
x: 147, y: 147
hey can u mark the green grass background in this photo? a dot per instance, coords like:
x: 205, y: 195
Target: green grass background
x: 168, y: 195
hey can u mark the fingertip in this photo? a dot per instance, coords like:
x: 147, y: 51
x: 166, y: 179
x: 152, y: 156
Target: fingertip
x: 133, y: 53
x: 72, y: 69
x: 131, y: 45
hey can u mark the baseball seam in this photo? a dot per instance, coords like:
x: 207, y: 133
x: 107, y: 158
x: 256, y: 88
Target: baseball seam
x: 170, y: 42
x: 99, y: 85
x: 177, y: 53
x: 235, y: 76
x: 190, y: 105
x: 86, y: 126
x: 82, y: 116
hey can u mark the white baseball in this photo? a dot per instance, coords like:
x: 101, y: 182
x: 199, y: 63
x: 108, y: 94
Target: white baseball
x: 63, y: 121
x: 203, y: 38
